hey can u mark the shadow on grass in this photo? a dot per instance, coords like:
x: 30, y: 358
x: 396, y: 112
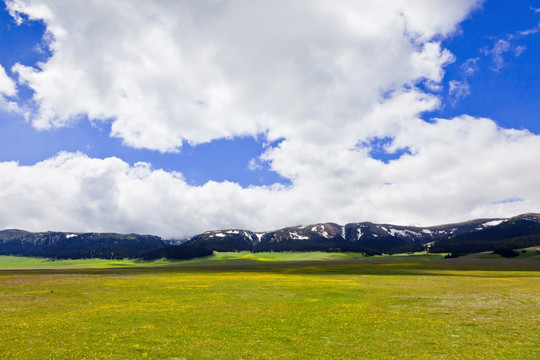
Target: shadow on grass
x: 388, y: 265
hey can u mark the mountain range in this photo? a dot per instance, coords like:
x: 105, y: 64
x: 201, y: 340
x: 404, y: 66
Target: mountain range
x: 373, y: 237
x: 62, y: 245
x: 471, y: 236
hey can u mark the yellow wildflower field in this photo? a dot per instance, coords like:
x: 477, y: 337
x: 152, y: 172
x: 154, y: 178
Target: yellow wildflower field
x: 313, y: 311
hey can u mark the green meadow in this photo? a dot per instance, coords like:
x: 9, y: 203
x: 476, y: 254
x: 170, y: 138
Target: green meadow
x: 271, y: 306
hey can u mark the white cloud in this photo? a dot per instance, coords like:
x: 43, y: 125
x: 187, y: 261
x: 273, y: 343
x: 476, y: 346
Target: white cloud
x: 469, y: 67
x: 7, y: 85
x: 254, y: 165
x: 202, y: 70
x: 518, y: 50
x: 8, y: 88
x: 506, y: 44
x: 327, y: 77
x: 528, y: 32
x: 458, y: 90
x: 500, y: 47
x: 458, y: 169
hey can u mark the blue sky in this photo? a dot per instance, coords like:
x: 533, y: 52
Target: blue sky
x: 509, y: 95
x: 249, y: 108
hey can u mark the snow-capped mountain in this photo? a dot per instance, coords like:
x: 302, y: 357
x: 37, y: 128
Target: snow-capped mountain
x: 328, y: 236
x: 460, y: 238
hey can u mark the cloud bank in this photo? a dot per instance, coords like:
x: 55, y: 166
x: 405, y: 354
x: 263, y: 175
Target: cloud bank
x: 326, y: 77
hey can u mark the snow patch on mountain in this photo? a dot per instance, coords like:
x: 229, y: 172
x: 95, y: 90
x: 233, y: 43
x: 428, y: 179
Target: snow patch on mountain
x: 395, y: 232
x: 493, y: 223
x: 294, y: 235
x: 320, y: 229
x: 489, y: 224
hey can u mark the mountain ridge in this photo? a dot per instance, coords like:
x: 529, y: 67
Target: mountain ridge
x: 74, y: 245
x: 371, y: 238
x: 365, y: 235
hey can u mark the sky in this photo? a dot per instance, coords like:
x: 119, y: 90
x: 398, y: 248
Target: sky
x: 176, y: 117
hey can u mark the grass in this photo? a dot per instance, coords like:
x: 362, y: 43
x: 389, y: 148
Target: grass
x: 286, y: 256
x: 15, y: 262
x: 223, y: 258
x: 531, y: 253
x: 272, y: 306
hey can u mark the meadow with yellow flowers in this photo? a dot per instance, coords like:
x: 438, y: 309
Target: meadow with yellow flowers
x: 268, y: 306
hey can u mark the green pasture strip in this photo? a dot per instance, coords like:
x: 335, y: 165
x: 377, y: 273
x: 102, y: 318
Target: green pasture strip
x: 246, y: 257
x: 291, y: 256
x: 531, y: 253
x: 319, y: 310
x: 17, y: 262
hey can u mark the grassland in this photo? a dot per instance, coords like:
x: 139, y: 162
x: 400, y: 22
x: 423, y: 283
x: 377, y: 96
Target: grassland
x: 229, y: 258
x: 272, y: 306
x: 531, y: 253
x: 15, y: 262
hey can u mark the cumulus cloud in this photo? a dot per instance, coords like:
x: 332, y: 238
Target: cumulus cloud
x: 456, y: 169
x: 202, y: 70
x: 327, y: 78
